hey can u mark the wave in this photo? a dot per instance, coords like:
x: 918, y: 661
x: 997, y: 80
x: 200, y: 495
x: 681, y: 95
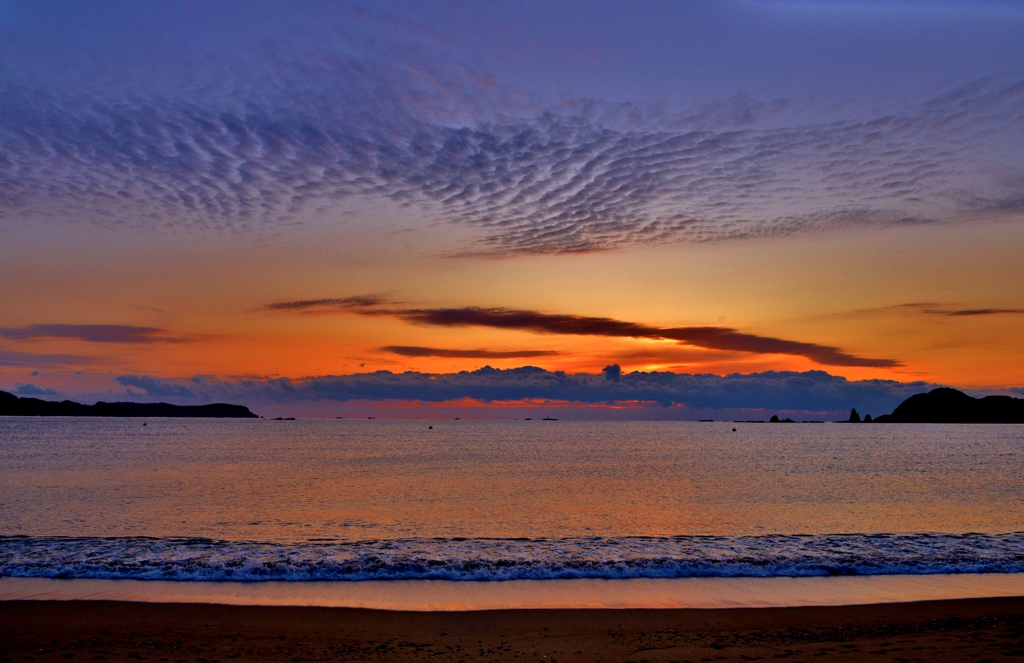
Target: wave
x: 200, y: 559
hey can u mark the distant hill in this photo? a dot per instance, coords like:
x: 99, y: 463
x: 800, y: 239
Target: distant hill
x: 12, y: 406
x: 949, y: 406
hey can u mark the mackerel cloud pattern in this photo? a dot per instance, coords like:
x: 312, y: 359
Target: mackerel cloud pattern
x: 276, y: 138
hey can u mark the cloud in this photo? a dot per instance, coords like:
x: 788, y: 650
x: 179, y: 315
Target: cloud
x: 332, y: 304
x: 28, y: 389
x: 979, y: 311
x: 391, y: 116
x: 712, y: 338
x: 936, y: 308
x: 28, y: 359
x: 155, y: 387
x: 811, y: 391
x: 91, y: 333
x: 416, y: 351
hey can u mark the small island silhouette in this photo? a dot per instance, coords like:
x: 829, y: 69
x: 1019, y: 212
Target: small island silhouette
x: 12, y: 406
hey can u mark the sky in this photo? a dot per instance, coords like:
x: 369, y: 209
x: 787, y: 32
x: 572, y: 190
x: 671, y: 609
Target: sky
x: 638, y: 210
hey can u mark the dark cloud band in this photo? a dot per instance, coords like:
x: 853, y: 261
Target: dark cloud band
x: 980, y: 311
x: 711, y: 338
x: 92, y: 333
x: 32, y: 360
x: 936, y: 308
x: 327, y: 304
x: 416, y: 351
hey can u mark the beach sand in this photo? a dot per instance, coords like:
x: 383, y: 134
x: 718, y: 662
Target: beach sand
x: 934, y: 631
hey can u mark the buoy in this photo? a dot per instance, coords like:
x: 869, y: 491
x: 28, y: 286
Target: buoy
x: 144, y: 423
x: 430, y: 427
x: 734, y: 430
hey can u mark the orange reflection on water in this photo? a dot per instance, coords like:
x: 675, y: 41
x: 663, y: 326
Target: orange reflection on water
x: 511, y: 404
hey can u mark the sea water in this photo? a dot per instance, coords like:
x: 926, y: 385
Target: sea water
x: 372, y: 501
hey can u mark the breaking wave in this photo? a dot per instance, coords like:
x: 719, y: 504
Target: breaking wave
x: 201, y: 559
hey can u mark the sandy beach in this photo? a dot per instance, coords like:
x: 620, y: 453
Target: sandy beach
x: 933, y: 631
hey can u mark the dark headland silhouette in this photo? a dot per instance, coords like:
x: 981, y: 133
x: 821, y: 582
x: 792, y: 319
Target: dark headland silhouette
x: 950, y: 406
x: 941, y: 406
x: 12, y: 406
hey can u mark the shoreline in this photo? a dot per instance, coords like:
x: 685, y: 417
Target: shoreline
x: 931, y: 631
x: 456, y: 596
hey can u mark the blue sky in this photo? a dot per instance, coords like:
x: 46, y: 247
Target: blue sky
x: 539, y: 127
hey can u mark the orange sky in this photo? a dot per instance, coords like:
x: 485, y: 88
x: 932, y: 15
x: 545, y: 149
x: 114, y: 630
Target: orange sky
x: 880, y: 295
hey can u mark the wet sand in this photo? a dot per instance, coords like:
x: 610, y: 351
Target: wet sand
x: 440, y: 595
x: 933, y: 631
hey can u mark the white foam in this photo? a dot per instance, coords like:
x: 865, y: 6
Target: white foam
x: 610, y: 558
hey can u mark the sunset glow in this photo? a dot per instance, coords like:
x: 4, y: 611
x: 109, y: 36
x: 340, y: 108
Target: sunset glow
x: 304, y: 191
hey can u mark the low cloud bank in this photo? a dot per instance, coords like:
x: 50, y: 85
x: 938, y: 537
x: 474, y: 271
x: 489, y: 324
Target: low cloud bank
x: 810, y: 392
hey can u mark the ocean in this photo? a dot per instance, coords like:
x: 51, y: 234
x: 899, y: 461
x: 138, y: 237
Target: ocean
x: 335, y: 503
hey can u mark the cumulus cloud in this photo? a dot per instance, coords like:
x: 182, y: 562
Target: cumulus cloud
x: 156, y: 388
x: 417, y: 351
x: 261, y: 150
x: 812, y: 391
x: 29, y: 389
x: 91, y: 333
